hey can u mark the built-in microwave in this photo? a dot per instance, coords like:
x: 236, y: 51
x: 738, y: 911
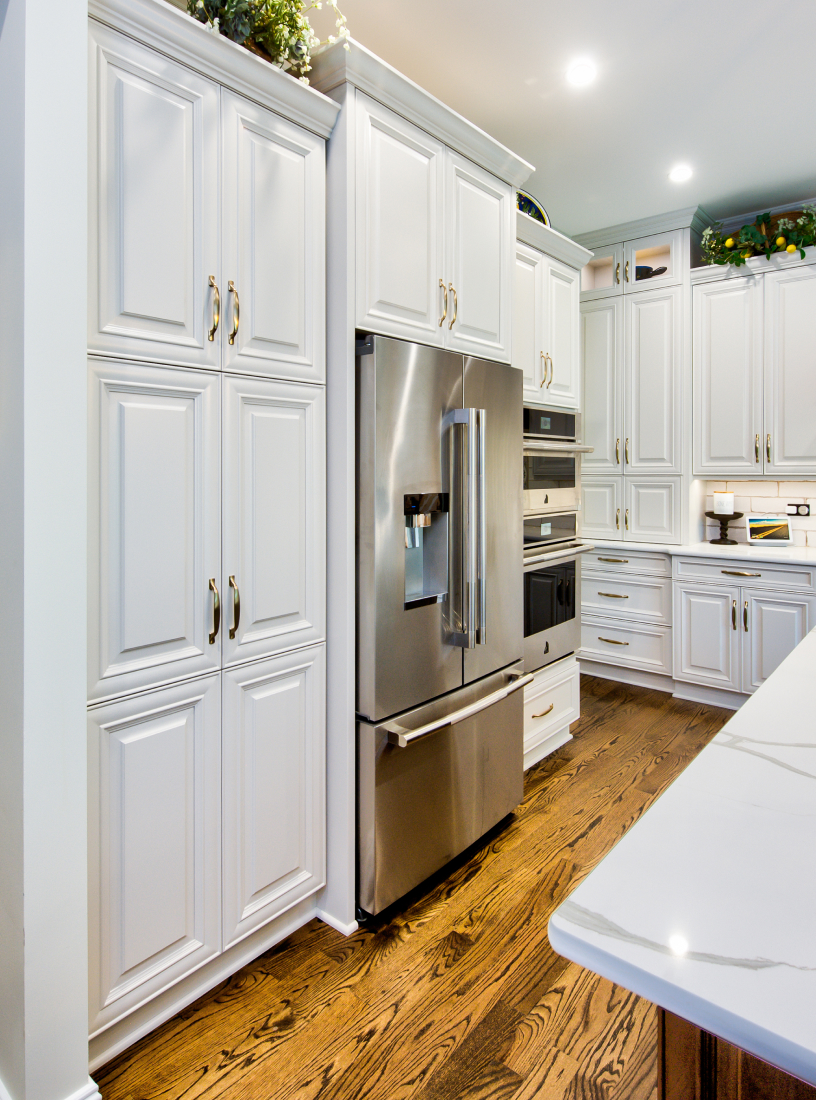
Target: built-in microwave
x: 551, y: 470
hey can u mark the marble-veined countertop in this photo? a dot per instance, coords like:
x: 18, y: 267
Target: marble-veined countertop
x: 707, y: 906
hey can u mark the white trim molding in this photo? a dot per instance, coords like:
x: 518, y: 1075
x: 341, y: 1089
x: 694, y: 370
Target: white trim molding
x: 550, y: 241
x: 690, y: 217
x: 757, y: 265
x: 337, y: 925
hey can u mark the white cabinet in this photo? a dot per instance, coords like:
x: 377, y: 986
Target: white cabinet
x: 602, y: 507
x: 790, y: 395
x: 651, y: 510
x: 154, y: 799
x: 434, y: 239
x: 551, y: 702
x: 652, y: 381
x: 528, y: 356
x: 773, y: 625
x: 274, y: 517
x: 154, y: 543
x: 273, y: 768
x: 602, y: 332
x: 627, y: 268
x: 707, y: 639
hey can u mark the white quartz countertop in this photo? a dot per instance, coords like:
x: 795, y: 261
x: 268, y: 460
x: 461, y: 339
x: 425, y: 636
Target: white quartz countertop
x: 792, y: 555
x: 707, y: 906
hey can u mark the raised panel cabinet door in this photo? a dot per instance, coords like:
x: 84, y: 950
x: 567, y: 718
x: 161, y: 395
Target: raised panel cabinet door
x: 400, y: 235
x: 602, y: 355
x: 561, y: 334
x: 707, y: 640
x: 154, y: 797
x: 773, y: 625
x: 727, y: 377
x: 153, y: 205
x: 274, y: 784
x: 274, y: 517
x: 652, y: 374
x: 790, y: 362
x: 274, y: 244
x: 651, y: 509
x: 154, y: 542
x: 528, y: 355
x: 480, y: 238
x: 602, y: 507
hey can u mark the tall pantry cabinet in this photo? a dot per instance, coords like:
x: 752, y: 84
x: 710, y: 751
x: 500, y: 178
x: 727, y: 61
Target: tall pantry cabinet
x: 207, y: 503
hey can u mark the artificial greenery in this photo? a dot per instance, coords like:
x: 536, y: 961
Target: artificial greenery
x: 791, y: 232
x: 278, y: 30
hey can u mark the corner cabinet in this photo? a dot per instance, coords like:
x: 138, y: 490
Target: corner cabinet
x: 434, y: 239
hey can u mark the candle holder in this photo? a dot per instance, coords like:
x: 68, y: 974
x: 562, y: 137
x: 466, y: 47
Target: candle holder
x: 723, y: 521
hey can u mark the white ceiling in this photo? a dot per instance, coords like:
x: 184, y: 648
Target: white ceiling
x: 727, y: 86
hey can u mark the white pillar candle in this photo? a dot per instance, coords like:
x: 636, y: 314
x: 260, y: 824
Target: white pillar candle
x: 724, y: 504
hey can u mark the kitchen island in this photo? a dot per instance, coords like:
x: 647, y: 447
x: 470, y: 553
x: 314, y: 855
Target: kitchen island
x: 707, y: 906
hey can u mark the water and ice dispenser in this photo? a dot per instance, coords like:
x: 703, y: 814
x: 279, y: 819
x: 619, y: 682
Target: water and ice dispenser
x: 426, y: 548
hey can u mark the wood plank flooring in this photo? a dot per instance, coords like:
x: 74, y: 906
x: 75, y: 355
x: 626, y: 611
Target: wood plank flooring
x: 458, y: 996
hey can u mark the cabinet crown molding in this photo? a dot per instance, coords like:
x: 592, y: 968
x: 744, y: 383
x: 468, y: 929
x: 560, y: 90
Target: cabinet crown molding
x: 757, y: 265
x: 690, y: 217
x: 174, y: 33
x: 550, y: 241
x: 335, y: 65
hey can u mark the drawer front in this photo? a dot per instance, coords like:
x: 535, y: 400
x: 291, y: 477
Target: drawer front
x: 757, y: 574
x: 628, y: 561
x: 634, y: 645
x: 639, y: 598
x: 552, y: 700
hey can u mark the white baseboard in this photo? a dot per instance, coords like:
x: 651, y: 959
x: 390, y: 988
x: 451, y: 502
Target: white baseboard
x: 333, y: 922
x: 637, y: 676
x: 87, y: 1092
x: 715, y: 697
x: 550, y: 743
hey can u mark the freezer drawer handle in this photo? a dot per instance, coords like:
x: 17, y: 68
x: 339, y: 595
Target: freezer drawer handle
x: 402, y: 738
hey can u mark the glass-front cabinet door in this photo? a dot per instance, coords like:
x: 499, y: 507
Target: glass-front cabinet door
x: 603, y: 275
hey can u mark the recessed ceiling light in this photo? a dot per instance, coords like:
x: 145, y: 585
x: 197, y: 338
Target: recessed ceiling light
x: 678, y: 945
x: 680, y: 173
x: 581, y: 72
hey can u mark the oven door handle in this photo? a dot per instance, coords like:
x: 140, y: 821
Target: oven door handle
x: 401, y: 738
x: 556, y: 557
x: 557, y: 448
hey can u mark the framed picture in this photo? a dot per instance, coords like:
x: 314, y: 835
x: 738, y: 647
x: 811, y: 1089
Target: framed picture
x: 769, y: 530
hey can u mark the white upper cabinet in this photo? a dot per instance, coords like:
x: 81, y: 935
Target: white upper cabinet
x: 527, y: 338
x: 790, y: 355
x: 154, y: 540
x: 651, y: 509
x: 652, y: 381
x: 727, y: 371
x: 434, y: 255
x: 274, y: 509
x: 273, y: 276
x: 561, y: 334
x: 153, y: 214
x: 399, y: 210
x: 642, y: 264
x: 602, y: 346
x: 602, y: 507
x: 602, y: 277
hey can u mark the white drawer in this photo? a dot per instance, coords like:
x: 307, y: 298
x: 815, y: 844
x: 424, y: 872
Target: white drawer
x: 643, y: 599
x: 552, y: 701
x: 757, y: 574
x: 635, y: 645
x: 628, y: 561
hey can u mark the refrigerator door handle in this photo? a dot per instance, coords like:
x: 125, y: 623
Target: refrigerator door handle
x: 401, y: 738
x: 481, y: 632
x: 467, y: 538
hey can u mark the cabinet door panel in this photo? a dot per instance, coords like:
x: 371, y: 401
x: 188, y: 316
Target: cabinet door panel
x: 400, y: 260
x: 480, y: 236
x: 274, y: 243
x: 652, y: 401
x: 707, y: 635
x: 655, y: 251
x: 274, y: 780
x: 154, y: 539
x: 601, y: 504
x: 153, y: 214
x: 727, y: 370
x: 790, y: 395
x: 562, y: 334
x: 274, y: 516
x: 602, y: 277
x: 773, y: 625
x: 652, y: 509
x: 154, y: 834
x: 527, y: 336
x: 602, y: 353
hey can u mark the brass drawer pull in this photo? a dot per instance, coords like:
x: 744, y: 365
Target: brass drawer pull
x: 445, y: 307
x: 216, y: 610
x: 544, y: 713
x: 739, y: 573
x: 612, y: 641
x: 236, y: 606
x: 216, y: 313
x: 613, y: 595
x: 620, y: 561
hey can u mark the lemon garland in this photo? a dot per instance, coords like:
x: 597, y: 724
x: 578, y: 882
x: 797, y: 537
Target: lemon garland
x: 764, y: 237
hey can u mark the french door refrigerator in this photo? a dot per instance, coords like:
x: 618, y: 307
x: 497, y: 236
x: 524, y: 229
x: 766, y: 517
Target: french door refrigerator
x: 440, y: 625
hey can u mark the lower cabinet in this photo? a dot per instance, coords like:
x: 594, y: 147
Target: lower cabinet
x: 551, y: 703
x: 206, y: 821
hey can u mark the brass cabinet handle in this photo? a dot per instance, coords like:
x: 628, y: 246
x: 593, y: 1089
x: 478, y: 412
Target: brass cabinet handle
x: 452, y: 321
x: 612, y: 641
x: 626, y: 450
x: 626, y: 272
x: 445, y: 307
x: 745, y: 616
x: 617, y: 274
x: 216, y: 313
x: 617, y: 519
x: 544, y: 712
x: 739, y: 573
x: 236, y: 606
x: 768, y: 446
x: 621, y: 561
x: 756, y: 447
x: 613, y: 595
x: 544, y: 365
x: 626, y: 519
x: 236, y: 311
x: 551, y: 370
x: 617, y: 450
x: 216, y: 610
x: 734, y: 615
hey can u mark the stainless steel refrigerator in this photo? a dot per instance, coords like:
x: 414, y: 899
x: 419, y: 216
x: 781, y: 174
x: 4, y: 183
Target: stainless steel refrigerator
x: 440, y: 633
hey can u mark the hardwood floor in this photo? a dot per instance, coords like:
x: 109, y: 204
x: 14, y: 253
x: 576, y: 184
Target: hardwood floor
x: 457, y: 995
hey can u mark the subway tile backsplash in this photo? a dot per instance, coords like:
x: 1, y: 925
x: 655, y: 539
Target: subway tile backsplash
x: 766, y: 498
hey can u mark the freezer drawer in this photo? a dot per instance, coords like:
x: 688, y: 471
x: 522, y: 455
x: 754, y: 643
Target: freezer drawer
x: 420, y: 805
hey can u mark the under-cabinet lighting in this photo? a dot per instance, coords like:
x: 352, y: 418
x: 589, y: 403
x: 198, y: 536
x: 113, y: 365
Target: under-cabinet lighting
x: 581, y: 72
